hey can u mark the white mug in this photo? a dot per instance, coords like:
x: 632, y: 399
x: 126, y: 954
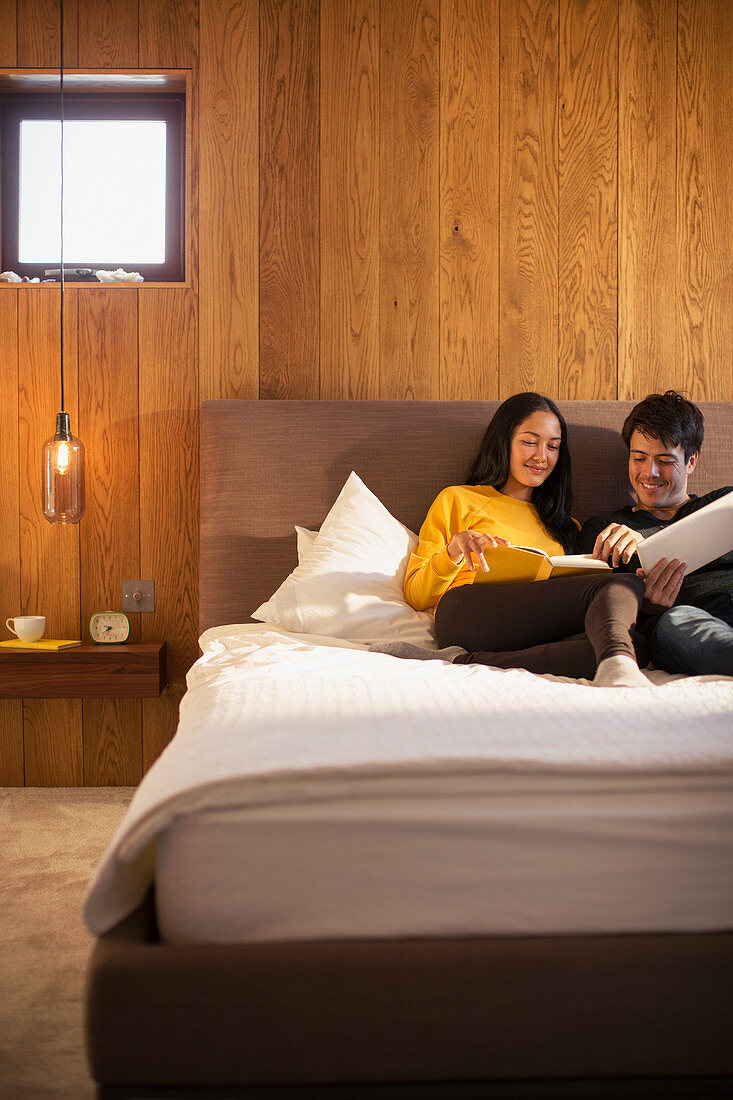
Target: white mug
x: 29, y: 628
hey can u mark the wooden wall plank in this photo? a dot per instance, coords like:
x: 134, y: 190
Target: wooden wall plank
x: 110, y: 530
x: 108, y: 34
x: 49, y: 553
x: 169, y: 465
x: 39, y: 33
x: 39, y: 26
x: 409, y: 187
x: 168, y: 34
x: 108, y: 407
x: 588, y: 184
x: 53, y: 745
x: 11, y: 710
x: 721, y: 88
x: 112, y: 742
x: 71, y: 33
x: 529, y: 203
x: 289, y: 186
x: 228, y: 210
x: 349, y: 199
x: 647, y: 146
x: 469, y: 201
x: 8, y: 32
x: 704, y: 276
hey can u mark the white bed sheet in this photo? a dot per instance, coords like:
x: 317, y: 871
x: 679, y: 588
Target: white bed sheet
x: 562, y: 858
x: 278, y: 729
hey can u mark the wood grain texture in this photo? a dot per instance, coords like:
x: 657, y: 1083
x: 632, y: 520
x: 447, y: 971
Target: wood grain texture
x: 529, y: 199
x: 349, y: 199
x: 71, y: 33
x: 38, y: 31
x: 11, y: 712
x: 289, y: 189
x: 53, y: 744
x: 8, y: 32
x: 722, y: 117
x: 169, y: 38
x: 131, y: 671
x: 588, y: 179
x: 228, y: 210
x: 469, y: 201
x: 704, y: 272
x: 647, y: 143
x: 168, y: 34
x: 112, y: 742
x: 49, y: 553
x: 110, y: 530
x: 409, y: 188
x: 108, y: 407
x: 169, y: 503
x: 108, y: 34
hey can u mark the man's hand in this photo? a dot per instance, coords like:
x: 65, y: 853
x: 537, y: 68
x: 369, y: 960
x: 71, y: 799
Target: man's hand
x: 465, y: 543
x: 616, y: 542
x: 662, y: 584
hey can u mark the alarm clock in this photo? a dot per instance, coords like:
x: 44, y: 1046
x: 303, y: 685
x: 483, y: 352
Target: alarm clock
x: 109, y: 627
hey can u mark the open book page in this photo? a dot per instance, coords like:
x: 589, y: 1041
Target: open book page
x: 697, y: 539
x: 577, y: 561
x: 515, y: 564
x: 566, y: 561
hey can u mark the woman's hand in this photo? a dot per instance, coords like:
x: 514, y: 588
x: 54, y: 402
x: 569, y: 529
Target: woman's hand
x: 617, y: 542
x: 467, y: 543
x: 663, y: 584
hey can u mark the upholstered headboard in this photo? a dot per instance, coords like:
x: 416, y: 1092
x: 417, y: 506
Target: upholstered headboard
x: 267, y: 465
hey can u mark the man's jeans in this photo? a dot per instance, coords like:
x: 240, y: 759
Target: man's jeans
x: 695, y: 641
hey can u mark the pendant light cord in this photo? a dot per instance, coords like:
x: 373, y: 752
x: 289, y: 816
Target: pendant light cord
x: 61, y: 106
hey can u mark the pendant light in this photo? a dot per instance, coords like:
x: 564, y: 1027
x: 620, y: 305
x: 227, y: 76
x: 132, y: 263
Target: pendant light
x: 62, y: 464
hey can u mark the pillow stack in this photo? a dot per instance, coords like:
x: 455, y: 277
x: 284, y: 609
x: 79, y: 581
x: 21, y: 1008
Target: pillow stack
x: 348, y: 583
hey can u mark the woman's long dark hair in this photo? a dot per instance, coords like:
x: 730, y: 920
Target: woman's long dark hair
x: 554, y: 497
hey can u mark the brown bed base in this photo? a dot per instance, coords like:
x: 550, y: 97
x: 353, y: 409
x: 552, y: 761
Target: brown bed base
x: 612, y: 1015
x: 497, y: 1009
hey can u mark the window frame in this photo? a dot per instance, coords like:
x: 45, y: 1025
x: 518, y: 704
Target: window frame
x: 168, y: 107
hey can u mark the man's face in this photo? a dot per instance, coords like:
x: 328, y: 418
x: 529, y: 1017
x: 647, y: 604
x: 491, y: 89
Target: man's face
x: 658, y: 473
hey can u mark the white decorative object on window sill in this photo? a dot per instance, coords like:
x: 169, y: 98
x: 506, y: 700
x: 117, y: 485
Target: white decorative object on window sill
x: 9, y: 277
x: 119, y: 276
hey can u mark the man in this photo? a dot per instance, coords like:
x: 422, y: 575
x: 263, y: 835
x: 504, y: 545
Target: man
x: 687, y: 620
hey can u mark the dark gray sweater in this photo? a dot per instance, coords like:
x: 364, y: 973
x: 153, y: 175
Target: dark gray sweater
x: 697, y: 588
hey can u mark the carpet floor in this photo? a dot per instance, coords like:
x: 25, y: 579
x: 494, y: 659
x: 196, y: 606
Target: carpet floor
x: 50, y: 842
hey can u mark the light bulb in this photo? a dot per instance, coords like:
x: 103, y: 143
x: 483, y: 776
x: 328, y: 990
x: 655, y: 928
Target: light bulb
x: 62, y: 472
x: 62, y: 457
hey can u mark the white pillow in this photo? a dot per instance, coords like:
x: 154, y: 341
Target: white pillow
x: 349, y: 583
x: 305, y: 540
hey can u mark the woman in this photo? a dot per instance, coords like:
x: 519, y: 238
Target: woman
x: 518, y: 492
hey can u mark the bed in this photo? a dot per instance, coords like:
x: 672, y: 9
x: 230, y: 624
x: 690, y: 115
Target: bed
x: 387, y: 897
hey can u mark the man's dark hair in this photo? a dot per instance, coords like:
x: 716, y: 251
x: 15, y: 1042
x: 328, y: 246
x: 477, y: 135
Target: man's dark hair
x: 553, y: 498
x: 669, y: 417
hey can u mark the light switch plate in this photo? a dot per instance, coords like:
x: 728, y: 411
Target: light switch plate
x: 138, y: 595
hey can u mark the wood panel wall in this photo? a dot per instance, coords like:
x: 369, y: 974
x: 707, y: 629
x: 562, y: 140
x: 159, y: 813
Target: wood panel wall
x: 404, y: 199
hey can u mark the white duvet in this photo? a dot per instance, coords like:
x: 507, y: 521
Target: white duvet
x: 272, y: 718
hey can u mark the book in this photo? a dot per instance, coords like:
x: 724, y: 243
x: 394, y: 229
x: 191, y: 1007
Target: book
x: 517, y: 564
x: 696, y: 539
x: 49, y: 644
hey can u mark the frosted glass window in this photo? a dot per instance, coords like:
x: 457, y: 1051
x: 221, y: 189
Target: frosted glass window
x: 114, y: 191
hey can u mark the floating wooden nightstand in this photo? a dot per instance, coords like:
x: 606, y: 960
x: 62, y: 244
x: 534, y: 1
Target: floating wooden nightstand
x: 135, y: 670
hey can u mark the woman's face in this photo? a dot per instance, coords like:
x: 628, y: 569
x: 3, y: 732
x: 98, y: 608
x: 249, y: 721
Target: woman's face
x: 533, y: 453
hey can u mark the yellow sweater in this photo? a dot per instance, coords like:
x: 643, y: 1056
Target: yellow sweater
x: 430, y: 572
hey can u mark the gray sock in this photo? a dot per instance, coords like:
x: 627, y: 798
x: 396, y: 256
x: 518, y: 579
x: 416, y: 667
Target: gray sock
x: 411, y: 652
x: 620, y: 671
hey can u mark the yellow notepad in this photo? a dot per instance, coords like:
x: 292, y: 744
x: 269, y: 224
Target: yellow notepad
x: 45, y: 643
x: 517, y: 564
